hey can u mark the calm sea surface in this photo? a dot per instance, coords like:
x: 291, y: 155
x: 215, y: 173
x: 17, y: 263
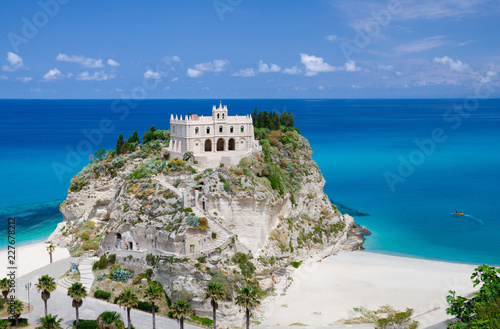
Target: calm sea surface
x: 401, y: 167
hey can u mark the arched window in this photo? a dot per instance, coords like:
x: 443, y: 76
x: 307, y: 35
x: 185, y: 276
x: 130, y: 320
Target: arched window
x: 218, y: 115
x: 220, y: 129
x: 242, y: 129
x: 196, y: 130
x: 222, y: 115
x: 231, y: 129
x: 208, y: 130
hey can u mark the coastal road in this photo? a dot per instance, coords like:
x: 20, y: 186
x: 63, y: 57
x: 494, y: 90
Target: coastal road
x: 60, y: 304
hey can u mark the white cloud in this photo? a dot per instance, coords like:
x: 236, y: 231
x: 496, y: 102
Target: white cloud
x: 53, y: 75
x: 169, y: 59
x: 399, y: 73
x: 152, y: 75
x: 265, y: 68
x: 385, y: 67
x: 206, y: 88
x: 217, y: 65
x: 355, y: 86
x: 292, y: 70
x: 331, y: 37
x: 300, y: 88
x: 360, y: 12
x: 36, y: 90
x: 315, y: 65
x: 97, y: 76
x: 457, y: 66
x: 351, y: 66
x: 119, y: 90
x: 15, y: 62
x: 321, y: 87
x: 491, y: 73
x: 166, y: 88
x: 421, y: 45
x: 245, y: 73
x: 25, y: 79
x: 192, y: 73
x: 3, y: 77
x: 174, y: 79
x: 80, y: 60
x: 112, y: 62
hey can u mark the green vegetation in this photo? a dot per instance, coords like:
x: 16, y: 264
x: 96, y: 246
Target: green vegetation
x: 153, y: 135
x: 206, y: 322
x: 482, y: 310
x: 153, y: 293
x: 243, y: 260
x: 214, y: 292
x: 127, y: 299
x: 385, y: 317
x: 272, y: 120
x: 397, y: 320
x: 110, y: 320
x: 181, y: 309
x: 101, y: 294
x: 45, y: 285
x: 248, y: 297
x: 51, y: 322
x: 77, y: 292
x: 87, y: 324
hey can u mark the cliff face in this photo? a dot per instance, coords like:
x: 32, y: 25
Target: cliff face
x: 232, y: 225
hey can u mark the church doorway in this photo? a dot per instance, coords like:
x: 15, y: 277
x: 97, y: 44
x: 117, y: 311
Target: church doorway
x: 220, y: 144
x: 231, y: 144
x: 208, y: 145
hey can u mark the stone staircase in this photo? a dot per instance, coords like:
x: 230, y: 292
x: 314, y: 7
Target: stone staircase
x: 65, y: 282
x: 222, y: 236
x: 86, y: 274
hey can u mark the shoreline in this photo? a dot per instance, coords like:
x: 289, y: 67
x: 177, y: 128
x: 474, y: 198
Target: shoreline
x: 30, y: 257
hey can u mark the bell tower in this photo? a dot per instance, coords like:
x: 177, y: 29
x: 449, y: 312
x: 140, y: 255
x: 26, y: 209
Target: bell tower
x: 220, y: 113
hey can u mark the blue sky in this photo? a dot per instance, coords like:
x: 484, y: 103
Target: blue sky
x: 249, y: 49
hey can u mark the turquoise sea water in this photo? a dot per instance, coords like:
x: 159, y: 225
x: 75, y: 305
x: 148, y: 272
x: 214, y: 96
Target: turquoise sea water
x: 356, y: 143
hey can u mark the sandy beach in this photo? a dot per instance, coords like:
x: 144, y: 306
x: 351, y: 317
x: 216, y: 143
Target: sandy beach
x: 324, y: 292
x: 31, y: 257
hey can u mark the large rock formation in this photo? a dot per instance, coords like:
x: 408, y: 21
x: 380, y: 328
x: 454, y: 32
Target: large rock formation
x: 236, y: 225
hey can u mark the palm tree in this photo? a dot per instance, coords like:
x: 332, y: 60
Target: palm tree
x: 51, y: 322
x: 248, y: 297
x: 128, y: 299
x: 46, y: 285
x: 180, y: 310
x: 50, y: 249
x: 214, y: 292
x: 110, y: 320
x: 77, y: 292
x: 16, y: 308
x: 4, y: 287
x: 153, y: 293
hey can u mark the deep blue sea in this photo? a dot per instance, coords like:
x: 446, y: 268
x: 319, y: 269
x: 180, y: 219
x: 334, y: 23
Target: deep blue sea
x: 400, y: 166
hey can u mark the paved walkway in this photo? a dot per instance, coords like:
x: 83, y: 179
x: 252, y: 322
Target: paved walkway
x: 60, y: 304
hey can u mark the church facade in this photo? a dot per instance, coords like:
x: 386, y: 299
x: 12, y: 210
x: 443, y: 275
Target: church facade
x: 217, y: 137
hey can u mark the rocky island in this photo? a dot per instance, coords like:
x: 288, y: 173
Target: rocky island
x: 190, y: 220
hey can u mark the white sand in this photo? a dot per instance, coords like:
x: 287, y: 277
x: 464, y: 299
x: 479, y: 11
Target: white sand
x: 325, y: 292
x: 31, y: 257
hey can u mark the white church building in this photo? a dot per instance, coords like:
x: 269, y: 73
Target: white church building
x: 213, y: 139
